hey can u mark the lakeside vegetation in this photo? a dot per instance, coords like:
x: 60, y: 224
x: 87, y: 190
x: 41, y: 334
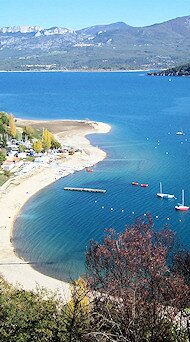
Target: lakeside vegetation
x: 181, y: 70
x: 137, y: 289
x: 15, y: 140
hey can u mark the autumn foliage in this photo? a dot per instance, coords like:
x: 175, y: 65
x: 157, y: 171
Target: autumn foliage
x: 12, y: 127
x: 139, y: 292
x: 137, y: 289
x: 49, y: 141
x: 37, y: 146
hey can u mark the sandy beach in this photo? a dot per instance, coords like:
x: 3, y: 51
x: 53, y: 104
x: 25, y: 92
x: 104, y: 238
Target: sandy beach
x: 16, y: 192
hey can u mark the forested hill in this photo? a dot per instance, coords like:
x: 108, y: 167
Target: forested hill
x: 182, y: 70
x: 104, y: 47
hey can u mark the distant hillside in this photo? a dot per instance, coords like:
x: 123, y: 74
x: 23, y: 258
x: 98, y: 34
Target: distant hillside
x: 182, y: 70
x: 114, y: 46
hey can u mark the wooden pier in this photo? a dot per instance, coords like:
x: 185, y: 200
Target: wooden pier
x: 85, y: 189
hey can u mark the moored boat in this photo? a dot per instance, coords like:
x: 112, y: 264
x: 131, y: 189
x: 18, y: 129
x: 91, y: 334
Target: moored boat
x: 89, y: 170
x: 180, y: 132
x: 162, y: 195
x: 134, y: 183
x: 144, y: 185
x: 182, y: 206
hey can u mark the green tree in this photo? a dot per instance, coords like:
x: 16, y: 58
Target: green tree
x: 37, y: 146
x: 3, y: 140
x: 2, y: 157
x: 54, y: 143
x: 19, y: 135
x: 28, y: 131
x: 4, y: 123
x: 26, y: 317
x: 4, y: 118
x: 12, y: 127
x: 75, y: 315
x: 22, y: 148
x: 3, y: 128
x: 137, y: 289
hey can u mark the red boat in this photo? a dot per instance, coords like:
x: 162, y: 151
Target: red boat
x: 143, y: 185
x: 135, y: 183
x: 89, y: 170
x: 182, y: 207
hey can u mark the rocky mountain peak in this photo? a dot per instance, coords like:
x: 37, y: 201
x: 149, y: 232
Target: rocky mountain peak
x: 21, y: 29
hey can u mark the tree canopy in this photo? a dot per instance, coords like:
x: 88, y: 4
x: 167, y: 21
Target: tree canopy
x: 140, y: 291
x: 28, y: 131
x: 137, y: 289
x: 4, y: 125
x: 37, y: 146
x: 2, y: 157
x: 4, y: 118
x: 49, y: 141
x: 12, y: 127
x: 46, y: 139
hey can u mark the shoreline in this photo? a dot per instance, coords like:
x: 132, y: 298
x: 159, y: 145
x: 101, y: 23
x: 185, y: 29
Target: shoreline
x: 17, y: 191
x: 77, y: 71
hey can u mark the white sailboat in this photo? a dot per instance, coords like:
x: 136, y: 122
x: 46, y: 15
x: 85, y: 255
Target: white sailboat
x: 182, y: 206
x: 162, y: 195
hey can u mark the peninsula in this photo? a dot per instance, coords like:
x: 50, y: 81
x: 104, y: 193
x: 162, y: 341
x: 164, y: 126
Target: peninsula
x: 182, y: 70
x: 28, y: 180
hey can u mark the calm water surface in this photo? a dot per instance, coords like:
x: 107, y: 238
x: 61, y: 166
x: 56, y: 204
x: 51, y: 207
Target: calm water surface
x: 54, y: 228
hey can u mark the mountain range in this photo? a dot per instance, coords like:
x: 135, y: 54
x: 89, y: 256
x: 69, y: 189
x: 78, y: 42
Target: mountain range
x: 105, y: 47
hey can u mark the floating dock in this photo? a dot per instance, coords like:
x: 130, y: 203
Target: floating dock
x: 85, y: 189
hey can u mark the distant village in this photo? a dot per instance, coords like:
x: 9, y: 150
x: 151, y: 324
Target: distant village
x: 22, y: 149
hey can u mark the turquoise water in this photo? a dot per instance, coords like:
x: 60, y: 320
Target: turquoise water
x: 54, y: 228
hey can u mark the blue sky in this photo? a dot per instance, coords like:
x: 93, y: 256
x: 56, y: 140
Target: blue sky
x: 78, y: 14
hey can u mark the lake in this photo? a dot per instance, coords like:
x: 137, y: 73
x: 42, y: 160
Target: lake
x: 54, y: 227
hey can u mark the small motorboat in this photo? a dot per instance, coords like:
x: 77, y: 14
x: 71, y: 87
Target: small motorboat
x: 162, y: 195
x: 89, y: 170
x: 135, y: 183
x: 144, y: 185
x: 182, y: 206
x: 180, y: 132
